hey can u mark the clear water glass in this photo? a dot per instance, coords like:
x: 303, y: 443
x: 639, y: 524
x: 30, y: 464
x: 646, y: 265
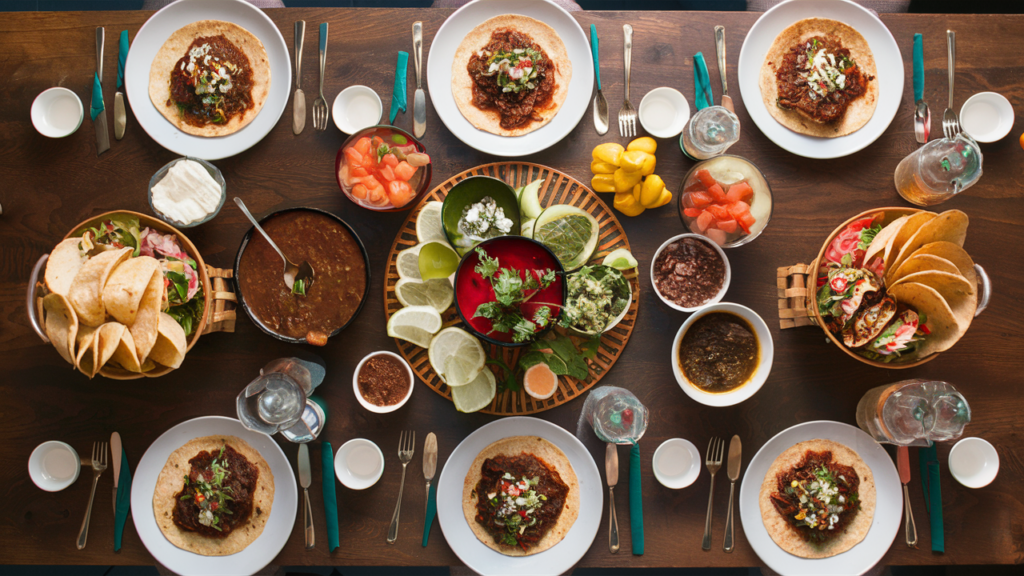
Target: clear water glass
x: 710, y: 133
x: 914, y: 412
x: 939, y: 170
x: 616, y: 415
x: 272, y: 402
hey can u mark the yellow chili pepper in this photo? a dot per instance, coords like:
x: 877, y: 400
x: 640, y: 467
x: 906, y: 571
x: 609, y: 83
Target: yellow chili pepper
x: 636, y: 192
x: 651, y: 192
x: 633, y: 160
x: 645, y: 144
x: 649, y: 164
x: 625, y: 180
x: 665, y: 198
x: 602, y: 167
x: 625, y: 203
x: 608, y: 152
x: 603, y: 183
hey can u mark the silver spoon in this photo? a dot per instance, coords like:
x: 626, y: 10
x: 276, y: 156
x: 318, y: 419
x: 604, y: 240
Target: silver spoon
x: 292, y: 273
x: 600, y: 104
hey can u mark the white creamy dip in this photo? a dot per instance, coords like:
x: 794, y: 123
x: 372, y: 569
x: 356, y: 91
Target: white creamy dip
x: 187, y: 193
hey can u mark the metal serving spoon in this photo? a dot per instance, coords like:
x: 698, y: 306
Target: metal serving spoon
x: 292, y: 273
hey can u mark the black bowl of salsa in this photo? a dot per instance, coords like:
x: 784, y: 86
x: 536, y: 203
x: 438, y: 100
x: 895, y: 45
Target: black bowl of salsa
x: 341, y: 281
x: 519, y: 253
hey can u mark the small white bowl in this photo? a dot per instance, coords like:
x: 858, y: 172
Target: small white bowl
x: 725, y: 281
x: 57, y: 112
x: 757, y: 379
x: 676, y: 463
x: 664, y: 112
x: 358, y: 464
x: 974, y: 462
x: 355, y: 108
x: 54, y: 465
x: 987, y: 116
x: 374, y: 407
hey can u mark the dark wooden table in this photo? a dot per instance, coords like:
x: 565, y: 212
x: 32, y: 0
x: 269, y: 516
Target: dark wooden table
x: 50, y: 185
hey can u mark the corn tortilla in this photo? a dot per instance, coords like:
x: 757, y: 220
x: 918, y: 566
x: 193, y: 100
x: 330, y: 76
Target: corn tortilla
x: 949, y: 226
x: 86, y: 290
x: 169, y: 348
x: 947, y: 320
x: 64, y: 262
x: 61, y: 325
x: 924, y: 263
x: 125, y: 286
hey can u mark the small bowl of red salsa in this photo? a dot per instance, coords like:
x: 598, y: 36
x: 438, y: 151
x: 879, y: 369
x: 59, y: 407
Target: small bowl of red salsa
x: 523, y: 255
x: 383, y: 382
x: 383, y: 168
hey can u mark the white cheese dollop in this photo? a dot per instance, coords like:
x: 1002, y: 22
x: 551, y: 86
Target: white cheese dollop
x: 187, y: 193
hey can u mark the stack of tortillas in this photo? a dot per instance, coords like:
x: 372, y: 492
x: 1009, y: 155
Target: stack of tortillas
x: 104, y: 312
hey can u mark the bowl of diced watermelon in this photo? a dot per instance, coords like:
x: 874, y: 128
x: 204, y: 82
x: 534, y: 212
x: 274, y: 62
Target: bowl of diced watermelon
x: 726, y: 199
x: 383, y: 168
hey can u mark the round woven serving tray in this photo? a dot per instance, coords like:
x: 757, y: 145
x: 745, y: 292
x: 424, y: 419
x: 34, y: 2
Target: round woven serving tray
x: 558, y: 188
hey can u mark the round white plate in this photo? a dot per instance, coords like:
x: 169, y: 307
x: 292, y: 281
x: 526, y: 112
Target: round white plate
x: 888, y: 502
x: 151, y: 37
x: 439, y: 76
x: 555, y: 560
x: 888, y: 60
x: 256, y: 555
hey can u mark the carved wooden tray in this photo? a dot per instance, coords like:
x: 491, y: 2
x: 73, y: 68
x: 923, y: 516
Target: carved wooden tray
x: 558, y: 188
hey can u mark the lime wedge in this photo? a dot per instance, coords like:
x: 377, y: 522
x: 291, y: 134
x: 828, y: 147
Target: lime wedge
x: 429, y: 227
x: 456, y: 356
x: 436, y: 293
x: 408, y: 263
x: 620, y: 259
x: 476, y: 395
x: 437, y: 260
x: 415, y: 324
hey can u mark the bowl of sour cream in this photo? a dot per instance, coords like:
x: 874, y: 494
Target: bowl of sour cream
x: 187, y: 192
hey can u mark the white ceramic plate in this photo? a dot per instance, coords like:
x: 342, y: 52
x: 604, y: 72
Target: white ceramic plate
x: 256, y: 555
x: 439, y: 76
x: 888, y: 502
x: 888, y: 60
x: 151, y: 37
x: 555, y: 560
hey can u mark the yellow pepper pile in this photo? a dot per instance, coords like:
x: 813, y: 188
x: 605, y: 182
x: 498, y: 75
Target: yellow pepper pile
x: 630, y: 174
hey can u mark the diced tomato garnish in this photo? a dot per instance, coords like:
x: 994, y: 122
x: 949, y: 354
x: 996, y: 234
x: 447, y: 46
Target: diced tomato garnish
x: 359, y: 172
x: 522, y: 513
x: 353, y: 155
x: 694, y: 186
x: 214, y: 505
x: 705, y: 220
x: 390, y: 160
x: 371, y: 183
x: 739, y: 208
x: 727, y: 226
x: 701, y: 199
x: 693, y: 212
x: 404, y: 171
x: 400, y: 193
x: 359, y: 191
x: 746, y: 221
x: 705, y: 178
x: 362, y: 145
x: 740, y: 192
x: 386, y: 173
x: 716, y: 192
x: 720, y: 212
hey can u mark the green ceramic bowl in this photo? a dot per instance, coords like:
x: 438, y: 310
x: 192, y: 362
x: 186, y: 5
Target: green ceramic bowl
x: 468, y: 192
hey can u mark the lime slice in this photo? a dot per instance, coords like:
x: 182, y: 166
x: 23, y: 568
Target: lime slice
x: 429, y: 227
x: 476, y: 395
x: 620, y: 259
x: 456, y: 356
x: 415, y: 324
x: 436, y: 293
x: 408, y: 263
x: 437, y: 260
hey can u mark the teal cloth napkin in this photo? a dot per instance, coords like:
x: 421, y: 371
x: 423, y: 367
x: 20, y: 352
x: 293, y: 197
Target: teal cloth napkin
x: 122, y: 56
x: 97, y: 97
x: 399, y: 98
x: 330, y: 497
x: 431, y: 512
x: 636, y: 501
x: 124, y: 500
x: 928, y: 459
x: 702, y: 83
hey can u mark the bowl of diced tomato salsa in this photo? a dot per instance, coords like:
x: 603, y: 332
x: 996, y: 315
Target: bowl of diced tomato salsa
x: 383, y: 168
x: 726, y: 199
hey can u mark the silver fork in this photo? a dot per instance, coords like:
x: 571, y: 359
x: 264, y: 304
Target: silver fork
x: 99, y: 464
x: 627, y: 114
x: 950, y: 122
x: 320, y: 113
x: 406, y: 447
x: 713, y: 461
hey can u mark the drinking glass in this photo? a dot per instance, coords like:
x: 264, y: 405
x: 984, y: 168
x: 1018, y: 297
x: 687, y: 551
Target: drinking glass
x: 939, y: 170
x: 710, y: 132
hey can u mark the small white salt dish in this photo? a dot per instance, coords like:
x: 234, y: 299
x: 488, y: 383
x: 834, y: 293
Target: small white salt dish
x: 374, y: 407
x: 664, y: 112
x: 987, y: 117
x: 57, y: 112
x: 358, y: 464
x: 725, y: 281
x: 355, y: 108
x: 676, y: 463
x: 54, y: 465
x: 974, y: 462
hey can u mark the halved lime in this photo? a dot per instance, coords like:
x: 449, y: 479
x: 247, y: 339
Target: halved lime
x: 456, y: 356
x: 408, y: 263
x: 476, y: 395
x: 415, y: 324
x: 429, y: 227
x: 436, y: 293
x: 437, y: 260
x: 620, y: 259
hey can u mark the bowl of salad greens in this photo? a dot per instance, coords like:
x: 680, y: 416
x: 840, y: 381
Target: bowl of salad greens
x: 598, y: 299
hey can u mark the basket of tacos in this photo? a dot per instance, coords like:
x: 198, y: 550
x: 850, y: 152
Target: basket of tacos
x: 124, y: 295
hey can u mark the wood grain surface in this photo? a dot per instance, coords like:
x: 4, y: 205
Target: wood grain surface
x: 49, y: 185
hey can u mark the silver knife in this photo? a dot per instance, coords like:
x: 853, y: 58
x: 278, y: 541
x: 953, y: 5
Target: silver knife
x: 611, y: 471
x: 419, y: 100
x: 735, y: 459
x: 102, y: 135
x: 120, y: 119
x: 299, y: 100
x: 304, y: 479
x: 429, y: 462
x: 115, y: 459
